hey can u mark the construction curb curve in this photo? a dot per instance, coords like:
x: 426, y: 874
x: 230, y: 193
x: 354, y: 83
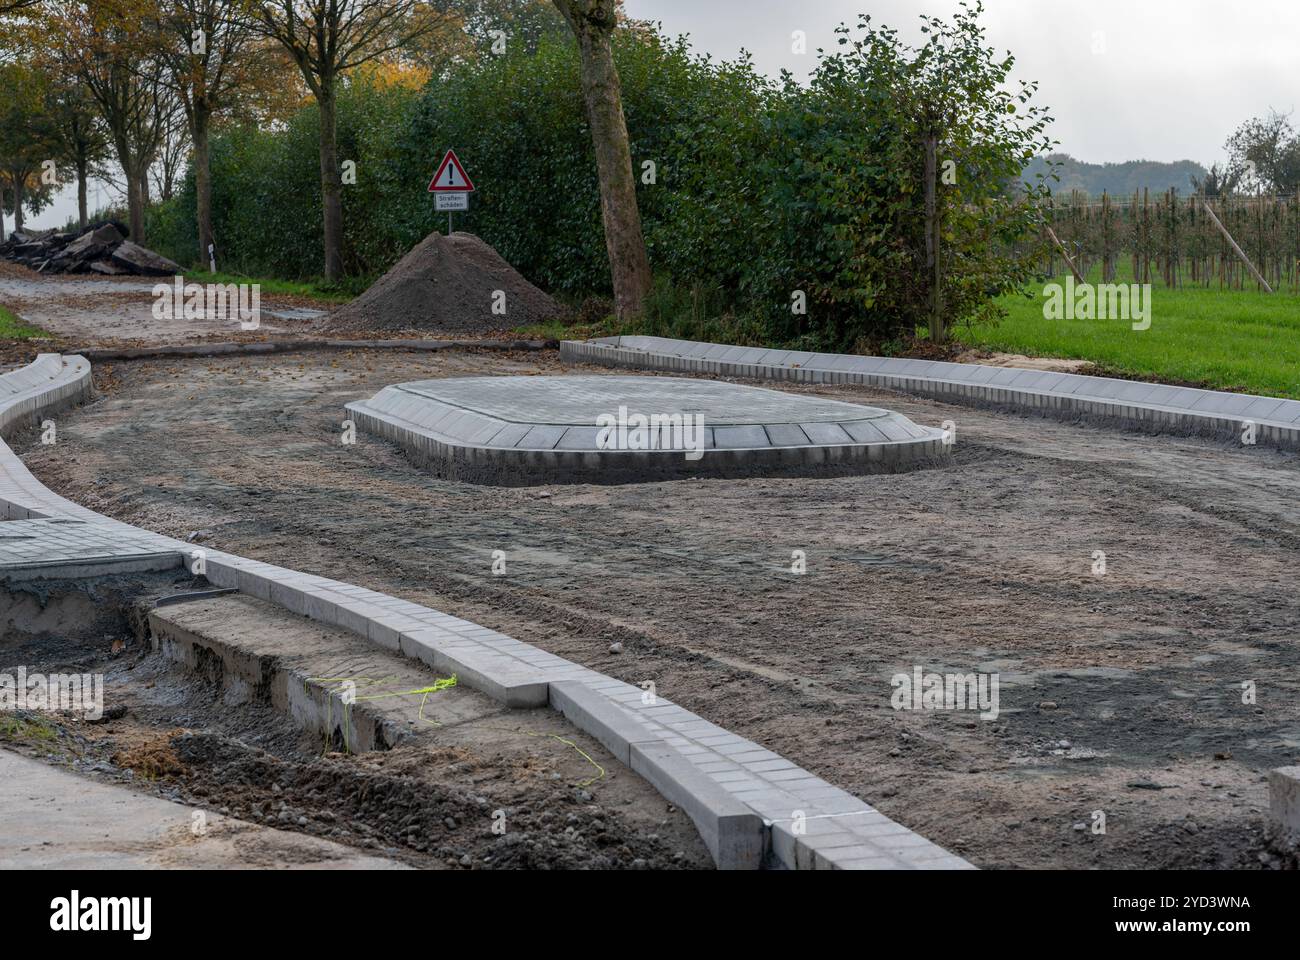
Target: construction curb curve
x: 751, y: 806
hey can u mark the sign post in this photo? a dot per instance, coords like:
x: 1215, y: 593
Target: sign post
x: 451, y: 186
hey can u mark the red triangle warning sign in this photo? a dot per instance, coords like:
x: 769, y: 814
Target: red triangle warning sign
x: 451, y: 176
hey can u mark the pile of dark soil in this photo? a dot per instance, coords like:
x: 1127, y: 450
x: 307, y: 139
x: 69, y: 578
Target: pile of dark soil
x: 448, y: 283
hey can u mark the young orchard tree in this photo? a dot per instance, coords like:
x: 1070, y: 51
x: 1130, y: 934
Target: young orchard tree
x: 326, y: 39
x: 593, y: 23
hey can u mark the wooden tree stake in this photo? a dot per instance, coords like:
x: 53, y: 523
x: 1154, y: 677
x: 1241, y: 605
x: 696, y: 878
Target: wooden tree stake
x: 1233, y: 243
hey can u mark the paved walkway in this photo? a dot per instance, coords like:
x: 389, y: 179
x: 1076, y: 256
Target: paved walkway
x: 79, y: 548
x: 53, y: 819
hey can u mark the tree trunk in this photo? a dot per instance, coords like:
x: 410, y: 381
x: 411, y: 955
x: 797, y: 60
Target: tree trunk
x: 2, y: 213
x: 128, y: 161
x: 202, y: 182
x: 134, y: 205
x: 18, y: 203
x: 932, y: 263
x: 331, y: 186
x: 593, y: 24
x: 83, y: 217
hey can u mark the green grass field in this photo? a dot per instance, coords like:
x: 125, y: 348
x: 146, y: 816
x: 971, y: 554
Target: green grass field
x: 315, y: 290
x: 1247, y: 341
x: 12, y: 328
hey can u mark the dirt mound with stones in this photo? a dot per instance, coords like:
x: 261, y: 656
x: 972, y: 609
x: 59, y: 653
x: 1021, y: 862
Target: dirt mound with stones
x: 454, y: 283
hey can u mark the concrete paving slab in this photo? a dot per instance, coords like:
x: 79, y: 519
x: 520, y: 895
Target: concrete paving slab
x: 520, y: 430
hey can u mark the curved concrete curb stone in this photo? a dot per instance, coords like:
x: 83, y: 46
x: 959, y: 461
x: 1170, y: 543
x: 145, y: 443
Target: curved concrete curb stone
x: 533, y: 430
x: 1148, y: 407
x: 751, y: 806
x: 48, y: 384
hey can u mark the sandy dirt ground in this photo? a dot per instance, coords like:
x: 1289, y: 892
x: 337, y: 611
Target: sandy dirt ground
x: 1120, y: 694
x: 1050, y: 364
x: 84, y: 310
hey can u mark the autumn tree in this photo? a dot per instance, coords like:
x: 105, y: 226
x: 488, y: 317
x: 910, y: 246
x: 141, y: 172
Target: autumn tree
x: 106, y: 46
x: 494, y: 24
x: 27, y: 175
x: 593, y: 23
x: 79, y: 136
x: 173, y: 149
x: 1219, y: 181
x: 208, y: 48
x: 326, y: 39
x: 1264, y: 153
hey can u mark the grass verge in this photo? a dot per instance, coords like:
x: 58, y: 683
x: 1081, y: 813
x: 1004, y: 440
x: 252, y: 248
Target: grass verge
x: 1241, y: 340
x: 12, y: 327
x: 322, y: 290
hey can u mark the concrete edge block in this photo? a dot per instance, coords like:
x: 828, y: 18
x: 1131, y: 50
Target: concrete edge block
x: 1284, y: 800
x: 491, y: 673
x: 597, y: 715
x: 80, y: 570
x: 1065, y: 398
x: 735, y: 835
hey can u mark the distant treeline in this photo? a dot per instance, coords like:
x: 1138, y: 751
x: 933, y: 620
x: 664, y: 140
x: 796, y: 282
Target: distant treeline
x: 1116, y: 179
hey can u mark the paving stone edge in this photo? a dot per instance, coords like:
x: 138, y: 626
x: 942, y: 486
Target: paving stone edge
x: 1136, y: 405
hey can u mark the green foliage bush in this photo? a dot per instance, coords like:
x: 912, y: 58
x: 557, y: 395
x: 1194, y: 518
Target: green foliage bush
x: 761, y: 188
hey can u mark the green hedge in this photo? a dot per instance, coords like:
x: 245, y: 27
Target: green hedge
x: 761, y: 188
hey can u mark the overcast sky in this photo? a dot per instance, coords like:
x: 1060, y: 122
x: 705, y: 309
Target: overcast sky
x: 1172, y: 79
x: 1175, y: 78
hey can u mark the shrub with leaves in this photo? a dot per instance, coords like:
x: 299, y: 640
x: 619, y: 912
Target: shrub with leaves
x: 750, y: 190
